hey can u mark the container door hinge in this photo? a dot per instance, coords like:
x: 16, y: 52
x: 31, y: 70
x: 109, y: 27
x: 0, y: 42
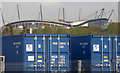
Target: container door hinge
x: 109, y: 39
x: 50, y: 38
x: 35, y: 38
x: 115, y: 38
x: 44, y: 37
x: 58, y: 37
x: 102, y: 38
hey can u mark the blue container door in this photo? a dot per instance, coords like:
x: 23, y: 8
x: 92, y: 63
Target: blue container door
x: 116, y: 54
x: 58, y: 54
x: 41, y: 51
x: 35, y: 53
x: 29, y: 55
x: 101, y: 55
x: 44, y: 53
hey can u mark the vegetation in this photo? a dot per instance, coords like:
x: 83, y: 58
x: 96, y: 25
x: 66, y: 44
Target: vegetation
x: 0, y: 33
x: 25, y: 30
x: 111, y: 30
x: 118, y: 28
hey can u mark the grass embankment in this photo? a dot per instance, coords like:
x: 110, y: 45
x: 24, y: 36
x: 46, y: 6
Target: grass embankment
x: 113, y: 29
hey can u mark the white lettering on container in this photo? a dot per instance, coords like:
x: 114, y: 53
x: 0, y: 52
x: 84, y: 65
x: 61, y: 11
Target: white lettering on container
x: 63, y: 43
x: 83, y: 43
x: 16, y: 43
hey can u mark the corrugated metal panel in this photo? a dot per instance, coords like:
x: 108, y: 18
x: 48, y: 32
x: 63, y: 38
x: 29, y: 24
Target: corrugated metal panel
x: 97, y: 52
x: 12, y: 49
x: 36, y: 52
x: 0, y: 46
x: 0, y: 53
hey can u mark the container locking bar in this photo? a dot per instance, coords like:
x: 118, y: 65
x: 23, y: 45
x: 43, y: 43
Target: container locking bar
x: 44, y: 50
x: 110, y: 53
x: 58, y: 53
x: 116, y: 54
x: 102, y: 53
x: 50, y: 51
x: 35, y: 53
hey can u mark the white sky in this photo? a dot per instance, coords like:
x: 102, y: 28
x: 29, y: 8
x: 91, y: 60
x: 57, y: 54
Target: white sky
x: 60, y: 0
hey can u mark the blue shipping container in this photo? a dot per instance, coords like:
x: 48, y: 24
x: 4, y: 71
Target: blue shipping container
x: 97, y: 52
x: 36, y: 52
x: 0, y: 46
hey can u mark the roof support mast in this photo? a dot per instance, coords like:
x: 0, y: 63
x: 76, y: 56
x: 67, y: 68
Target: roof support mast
x: 3, y: 18
x: 110, y: 14
x: 79, y: 14
x: 101, y: 14
x: 59, y: 15
x: 18, y: 12
x: 41, y: 13
x: 96, y: 14
x: 63, y: 14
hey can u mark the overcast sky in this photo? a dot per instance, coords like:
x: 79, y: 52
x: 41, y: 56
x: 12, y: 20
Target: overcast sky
x: 30, y: 10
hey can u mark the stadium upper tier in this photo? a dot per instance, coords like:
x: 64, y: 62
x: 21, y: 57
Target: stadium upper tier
x: 102, y: 22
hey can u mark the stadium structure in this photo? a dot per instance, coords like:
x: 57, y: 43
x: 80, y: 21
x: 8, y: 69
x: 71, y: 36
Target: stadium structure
x: 98, y: 20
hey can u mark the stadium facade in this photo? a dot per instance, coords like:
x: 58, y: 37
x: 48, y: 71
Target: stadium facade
x: 35, y: 24
x: 98, y: 20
